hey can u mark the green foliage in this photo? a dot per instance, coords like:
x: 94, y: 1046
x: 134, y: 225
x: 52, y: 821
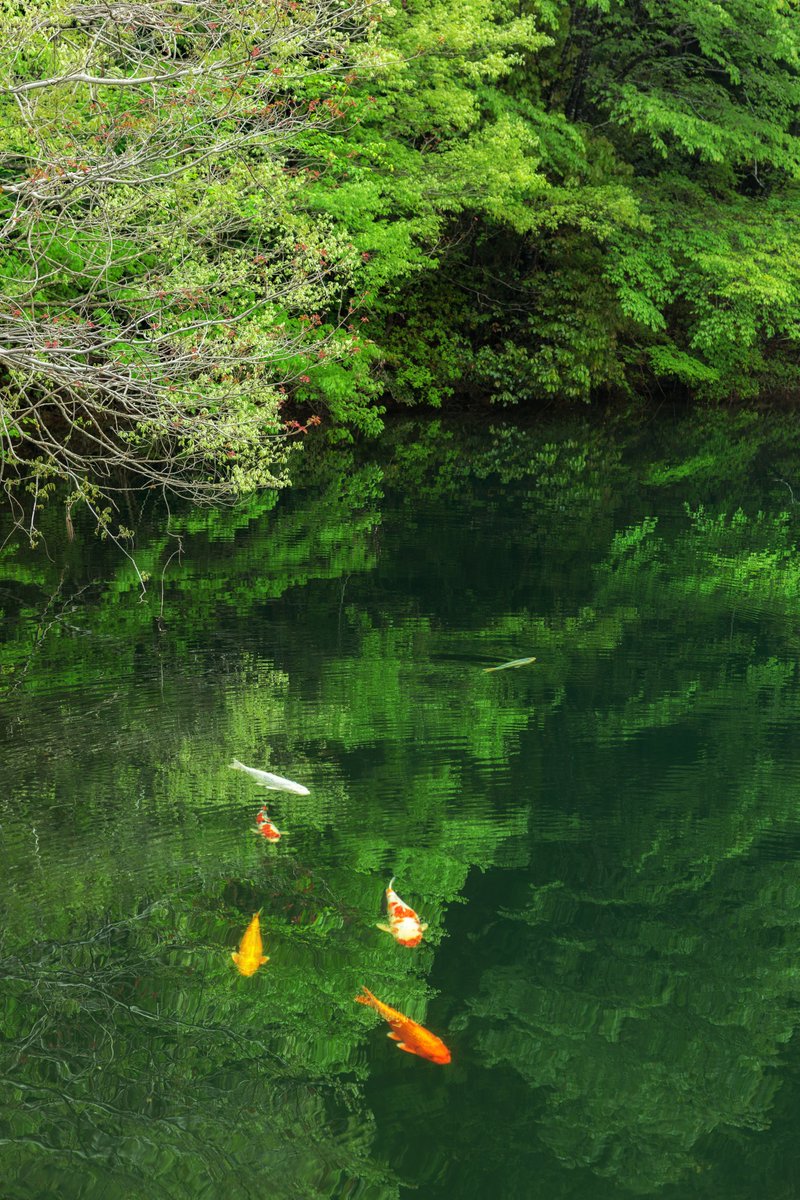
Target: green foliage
x: 578, y: 197
x: 163, y: 285
x: 441, y: 204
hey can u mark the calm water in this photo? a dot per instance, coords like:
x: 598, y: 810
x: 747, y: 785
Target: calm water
x: 606, y: 844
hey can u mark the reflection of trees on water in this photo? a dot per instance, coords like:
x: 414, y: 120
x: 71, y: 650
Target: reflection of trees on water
x: 647, y: 1028
x: 147, y: 1057
x: 133, y: 1067
x: 641, y: 991
x: 649, y: 982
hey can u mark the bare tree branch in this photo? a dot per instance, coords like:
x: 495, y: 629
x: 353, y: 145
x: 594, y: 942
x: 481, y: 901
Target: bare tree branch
x: 163, y: 286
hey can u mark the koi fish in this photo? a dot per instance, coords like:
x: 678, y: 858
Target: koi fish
x: 266, y: 828
x: 275, y: 783
x: 404, y: 924
x: 411, y: 1037
x: 250, y: 958
x: 515, y: 662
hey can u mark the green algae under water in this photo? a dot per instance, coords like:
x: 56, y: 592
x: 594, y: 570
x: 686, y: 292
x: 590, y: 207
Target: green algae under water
x: 605, y: 843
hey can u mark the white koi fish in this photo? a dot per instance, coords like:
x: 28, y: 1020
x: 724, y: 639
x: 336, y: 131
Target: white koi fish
x: 275, y: 783
x: 515, y: 662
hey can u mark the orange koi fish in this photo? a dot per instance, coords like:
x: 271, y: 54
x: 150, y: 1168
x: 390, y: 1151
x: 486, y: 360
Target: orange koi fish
x: 266, y: 828
x: 250, y: 958
x: 404, y: 924
x: 411, y: 1037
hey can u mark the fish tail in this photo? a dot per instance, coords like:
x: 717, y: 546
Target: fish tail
x: 237, y: 765
x: 368, y: 998
x: 391, y: 883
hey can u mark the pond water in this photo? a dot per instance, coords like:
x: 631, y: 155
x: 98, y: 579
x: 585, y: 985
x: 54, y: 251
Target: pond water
x: 605, y: 843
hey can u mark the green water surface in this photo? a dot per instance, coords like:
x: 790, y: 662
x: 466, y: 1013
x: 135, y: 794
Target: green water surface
x: 605, y: 843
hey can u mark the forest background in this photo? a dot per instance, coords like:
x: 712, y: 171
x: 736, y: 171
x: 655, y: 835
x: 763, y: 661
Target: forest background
x: 223, y: 222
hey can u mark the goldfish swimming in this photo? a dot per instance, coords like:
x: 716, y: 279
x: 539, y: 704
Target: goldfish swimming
x: 266, y: 779
x: 250, y: 958
x: 515, y: 662
x: 266, y: 828
x: 404, y: 924
x: 411, y: 1037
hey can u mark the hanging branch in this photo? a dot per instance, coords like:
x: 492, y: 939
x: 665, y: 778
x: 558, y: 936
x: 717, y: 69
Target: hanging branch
x: 161, y: 286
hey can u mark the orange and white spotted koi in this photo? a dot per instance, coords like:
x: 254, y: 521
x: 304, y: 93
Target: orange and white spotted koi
x: 266, y: 828
x: 404, y: 924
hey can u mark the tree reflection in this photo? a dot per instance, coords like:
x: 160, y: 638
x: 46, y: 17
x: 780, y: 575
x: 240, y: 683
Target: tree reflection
x: 130, y: 1061
x: 648, y: 982
x: 628, y: 978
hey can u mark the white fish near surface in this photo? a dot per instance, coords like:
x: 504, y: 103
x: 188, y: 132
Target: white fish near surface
x: 266, y: 779
x: 515, y: 662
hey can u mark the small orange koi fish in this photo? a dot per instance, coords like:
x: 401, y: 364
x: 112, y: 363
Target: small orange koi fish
x: 404, y: 924
x: 266, y: 828
x: 250, y: 958
x: 411, y: 1037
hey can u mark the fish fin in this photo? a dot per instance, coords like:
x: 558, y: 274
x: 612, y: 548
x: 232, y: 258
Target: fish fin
x: 403, y: 1046
x: 265, y: 958
x: 424, y: 926
x: 385, y: 928
x: 235, y: 957
x: 396, y: 1037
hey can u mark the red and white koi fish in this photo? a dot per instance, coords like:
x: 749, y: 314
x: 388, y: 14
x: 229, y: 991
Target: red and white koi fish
x: 411, y: 1037
x: 266, y: 828
x: 250, y: 956
x: 404, y: 924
